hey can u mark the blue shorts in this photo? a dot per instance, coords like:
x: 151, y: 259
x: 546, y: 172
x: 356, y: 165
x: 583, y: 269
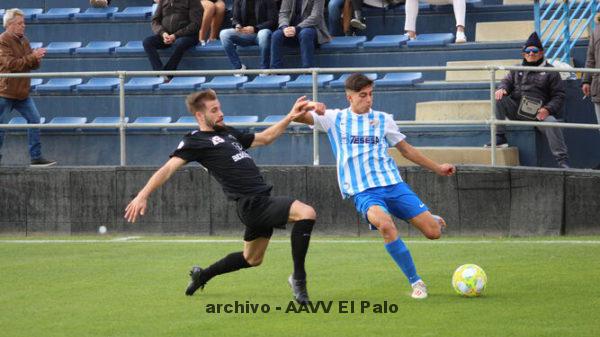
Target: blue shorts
x: 398, y: 200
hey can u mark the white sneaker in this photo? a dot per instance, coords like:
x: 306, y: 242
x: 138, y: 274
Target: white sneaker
x: 242, y: 68
x: 419, y: 290
x: 409, y: 37
x: 460, y: 37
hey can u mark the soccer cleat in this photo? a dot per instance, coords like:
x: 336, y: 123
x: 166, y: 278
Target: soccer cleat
x: 299, y: 290
x: 195, y: 283
x: 419, y: 290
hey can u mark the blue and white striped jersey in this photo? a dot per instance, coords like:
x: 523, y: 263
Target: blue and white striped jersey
x: 358, y: 144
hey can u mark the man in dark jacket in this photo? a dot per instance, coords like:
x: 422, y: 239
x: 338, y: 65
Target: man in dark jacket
x: 16, y: 56
x: 533, y: 96
x: 175, y: 23
x: 253, y: 21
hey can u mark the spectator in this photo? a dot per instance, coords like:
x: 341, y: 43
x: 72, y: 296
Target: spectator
x: 532, y: 95
x: 175, y: 24
x: 16, y: 56
x: 335, y: 13
x: 591, y: 84
x: 214, y: 12
x: 253, y: 22
x: 412, y: 10
x: 100, y: 3
x: 301, y: 23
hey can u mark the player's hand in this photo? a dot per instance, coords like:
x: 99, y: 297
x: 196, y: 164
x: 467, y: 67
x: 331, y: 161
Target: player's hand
x: 500, y: 93
x: 542, y: 114
x: 299, y: 108
x: 136, y: 207
x: 318, y: 107
x: 446, y: 170
x: 586, y: 89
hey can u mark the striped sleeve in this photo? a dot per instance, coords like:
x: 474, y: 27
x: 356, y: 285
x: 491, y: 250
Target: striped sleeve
x: 392, y: 133
x: 326, y: 121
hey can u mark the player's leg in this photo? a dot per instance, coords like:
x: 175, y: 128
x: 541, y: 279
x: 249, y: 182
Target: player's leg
x: 304, y: 217
x: 430, y: 225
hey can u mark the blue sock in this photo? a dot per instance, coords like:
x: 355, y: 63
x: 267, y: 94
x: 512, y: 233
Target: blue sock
x: 399, y: 252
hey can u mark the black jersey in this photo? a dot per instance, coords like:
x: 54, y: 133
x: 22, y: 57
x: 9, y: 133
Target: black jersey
x: 223, y: 154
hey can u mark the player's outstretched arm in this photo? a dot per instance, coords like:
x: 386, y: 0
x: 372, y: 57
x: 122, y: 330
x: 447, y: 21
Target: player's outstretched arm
x: 411, y: 153
x: 137, y: 206
x: 269, y: 135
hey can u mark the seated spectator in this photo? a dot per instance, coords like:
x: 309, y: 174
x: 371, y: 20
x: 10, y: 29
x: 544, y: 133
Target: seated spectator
x: 175, y: 24
x: 412, y: 10
x: 301, y: 23
x: 335, y: 9
x: 253, y: 22
x: 100, y: 3
x: 533, y: 96
x: 214, y: 12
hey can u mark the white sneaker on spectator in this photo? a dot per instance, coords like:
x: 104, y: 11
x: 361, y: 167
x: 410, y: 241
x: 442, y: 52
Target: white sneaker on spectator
x: 410, y: 37
x: 419, y: 290
x: 240, y: 74
x: 460, y: 37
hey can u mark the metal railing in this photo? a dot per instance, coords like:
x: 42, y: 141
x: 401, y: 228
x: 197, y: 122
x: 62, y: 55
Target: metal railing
x: 122, y: 125
x: 560, y: 24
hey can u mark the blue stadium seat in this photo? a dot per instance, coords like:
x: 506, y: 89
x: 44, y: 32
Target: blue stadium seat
x: 138, y: 12
x: 428, y: 40
x: 344, y: 42
x: 98, y: 47
x: 21, y: 120
x: 106, y: 120
x: 210, y: 46
x: 240, y: 119
x: 186, y: 119
x: 183, y: 83
x: 67, y: 120
x: 305, y: 81
x: 59, y: 85
x: 1, y: 11
x: 399, y: 79
x: 35, y: 45
x: 97, y: 13
x: 143, y: 83
x: 225, y: 82
x: 151, y: 120
x: 35, y: 82
x: 340, y: 81
x: 386, y: 41
x: 62, y: 47
x: 31, y: 13
x: 131, y: 47
x: 100, y: 84
x: 273, y: 118
x: 267, y: 82
x: 58, y: 14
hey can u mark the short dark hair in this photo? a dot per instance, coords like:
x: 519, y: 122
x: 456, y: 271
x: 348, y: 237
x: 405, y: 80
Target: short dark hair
x: 357, y: 82
x: 195, y: 101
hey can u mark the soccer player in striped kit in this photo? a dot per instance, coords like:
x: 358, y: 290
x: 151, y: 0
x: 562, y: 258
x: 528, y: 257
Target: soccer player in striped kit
x: 359, y: 138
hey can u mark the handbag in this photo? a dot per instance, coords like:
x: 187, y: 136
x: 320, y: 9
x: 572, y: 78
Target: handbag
x: 528, y: 108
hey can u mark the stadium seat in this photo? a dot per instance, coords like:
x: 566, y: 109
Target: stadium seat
x: 21, y: 120
x: 106, y: 120
x: 267, y: 82
x: 35, y: 45
x: 186, y: 120
x: 305, y: 81
x: 58, y: 14
x: 240, y: 119
x: 428, y: 40
x: 97, y: 13
x: 34, y: 83
x: 62, y: 47
x: 340, y: 81
x: 131, y: 47
x: 31, y: 13
x: 98, y: 47
x: 143, y: 83
x: 399, y: 79
x: 345, y: 42
x: 210, y: 46
x: 67, y: 120
x: 1, y: 11
x: 183, y: 83
x: 386, y: 41
x: 100, y: 84
x: 273, y: 118
x: 59, y: 85
x: 225, y: 82
x: 138, y: 12
x: 151, y: 120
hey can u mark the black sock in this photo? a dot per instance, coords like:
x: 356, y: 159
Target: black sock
x: 229, y: 263
x: 300, y: 240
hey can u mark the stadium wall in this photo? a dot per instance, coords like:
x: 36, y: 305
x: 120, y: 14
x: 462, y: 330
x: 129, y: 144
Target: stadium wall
x: 476, y: 201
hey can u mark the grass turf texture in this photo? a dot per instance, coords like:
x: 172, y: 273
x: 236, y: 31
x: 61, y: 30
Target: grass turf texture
x: 136, y: 289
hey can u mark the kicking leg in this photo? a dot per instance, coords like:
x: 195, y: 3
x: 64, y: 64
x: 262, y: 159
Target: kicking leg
x: 430, y: 225
x: 303, y: 217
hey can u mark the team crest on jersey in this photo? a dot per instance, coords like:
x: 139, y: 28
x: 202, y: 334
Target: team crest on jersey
x: 217, y: 140
x: 374, y: 122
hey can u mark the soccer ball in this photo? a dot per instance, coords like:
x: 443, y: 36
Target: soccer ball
x: 469, y: 280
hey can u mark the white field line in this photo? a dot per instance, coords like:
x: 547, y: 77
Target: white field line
x: 136, y: 239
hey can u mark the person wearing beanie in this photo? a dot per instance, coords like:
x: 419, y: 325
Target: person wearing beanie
x: 533, y: 96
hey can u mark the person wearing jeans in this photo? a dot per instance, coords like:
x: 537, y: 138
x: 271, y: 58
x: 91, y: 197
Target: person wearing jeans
x: 253, y: 21
x: 301, y: 23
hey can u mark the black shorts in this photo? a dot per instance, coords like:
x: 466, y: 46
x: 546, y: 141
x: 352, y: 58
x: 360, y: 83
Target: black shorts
x: 260, y: 214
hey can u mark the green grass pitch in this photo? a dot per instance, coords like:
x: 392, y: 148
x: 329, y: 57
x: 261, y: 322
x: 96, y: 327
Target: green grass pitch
x: 536, y: 287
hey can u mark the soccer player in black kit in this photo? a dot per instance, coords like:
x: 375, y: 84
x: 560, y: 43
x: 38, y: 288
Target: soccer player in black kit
x: 221, y: 150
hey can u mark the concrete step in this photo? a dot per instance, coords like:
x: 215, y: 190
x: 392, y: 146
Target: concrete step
x: 462, y: 155
x: 514, y: 30
x: 453, y: 110
x: 477, y: 75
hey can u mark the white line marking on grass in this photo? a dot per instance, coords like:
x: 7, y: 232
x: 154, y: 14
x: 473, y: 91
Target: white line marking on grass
x: 133, y: 239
